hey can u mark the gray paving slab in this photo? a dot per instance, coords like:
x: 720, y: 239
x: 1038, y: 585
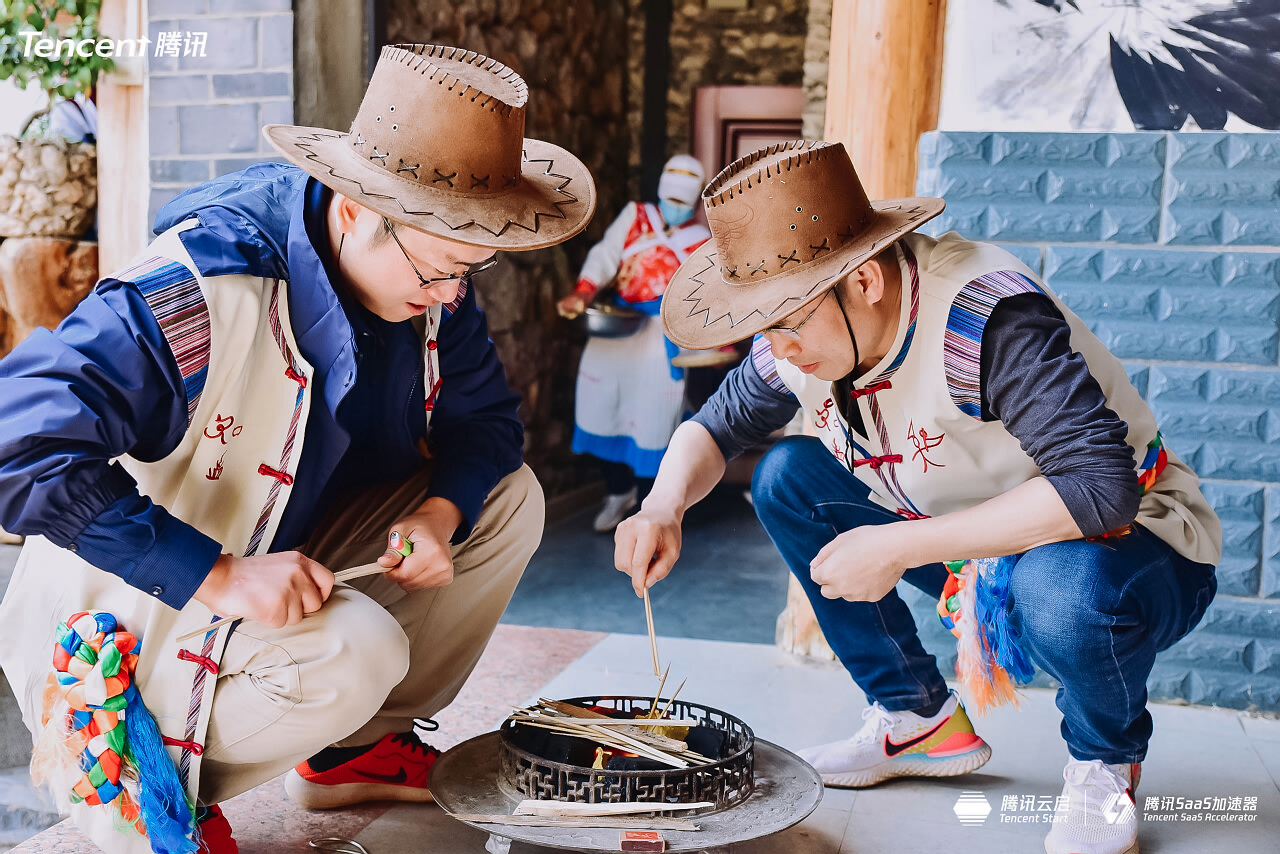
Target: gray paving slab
x: 730, y: 583
x: 1195, y: 753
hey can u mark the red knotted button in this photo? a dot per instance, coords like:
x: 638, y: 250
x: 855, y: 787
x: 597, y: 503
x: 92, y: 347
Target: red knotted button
x: 203, y: 660
x: 283, y: 477
x: 876, y: 462
x: 193, y: 746
x: 884, y: 385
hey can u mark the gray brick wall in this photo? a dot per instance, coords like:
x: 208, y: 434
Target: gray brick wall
x: 1168, y: 246
x: 207, y: 112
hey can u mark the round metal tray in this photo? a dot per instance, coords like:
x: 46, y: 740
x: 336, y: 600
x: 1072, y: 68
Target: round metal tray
x: 787, y: 790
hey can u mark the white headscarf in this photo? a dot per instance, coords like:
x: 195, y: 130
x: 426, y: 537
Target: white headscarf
x: 681, y: 180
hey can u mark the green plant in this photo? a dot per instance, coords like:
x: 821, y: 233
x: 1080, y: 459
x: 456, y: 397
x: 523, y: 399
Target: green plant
x: 68, y: 72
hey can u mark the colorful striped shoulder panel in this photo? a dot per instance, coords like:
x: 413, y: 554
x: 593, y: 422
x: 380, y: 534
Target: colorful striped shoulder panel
x: 962, y: 343
x: 179, y: 307
x: 766, y: 366
x: 452, y: 307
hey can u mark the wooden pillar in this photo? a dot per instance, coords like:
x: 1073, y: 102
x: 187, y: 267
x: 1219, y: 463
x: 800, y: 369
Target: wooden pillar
x: 883, y: 86
x: 124, y: 176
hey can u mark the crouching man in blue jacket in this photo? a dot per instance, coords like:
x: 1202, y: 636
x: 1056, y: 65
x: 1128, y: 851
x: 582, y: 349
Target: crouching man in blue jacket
x: 294, y: 379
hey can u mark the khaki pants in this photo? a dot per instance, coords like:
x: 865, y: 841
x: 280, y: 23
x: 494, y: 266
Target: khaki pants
x: 374, y: 657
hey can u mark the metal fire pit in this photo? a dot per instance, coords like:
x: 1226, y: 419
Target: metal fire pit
x: 786, y: 791
x: 726, y: 782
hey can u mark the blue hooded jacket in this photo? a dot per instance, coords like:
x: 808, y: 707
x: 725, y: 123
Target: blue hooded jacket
x: 105, y: 383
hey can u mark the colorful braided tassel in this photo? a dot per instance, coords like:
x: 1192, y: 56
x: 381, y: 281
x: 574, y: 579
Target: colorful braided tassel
x: 96, y: 723
x: 990, y: 661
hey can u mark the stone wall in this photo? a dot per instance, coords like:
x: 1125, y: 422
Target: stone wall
x: 762, y: 45
x: 206, y: 112
x: 573, y: 55
x: 817, y: 53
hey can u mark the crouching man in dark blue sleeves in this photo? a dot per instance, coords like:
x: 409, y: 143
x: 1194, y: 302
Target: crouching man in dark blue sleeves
x: 294, y: 379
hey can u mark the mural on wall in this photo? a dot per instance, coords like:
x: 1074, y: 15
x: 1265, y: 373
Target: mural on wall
x: 1111, y: 65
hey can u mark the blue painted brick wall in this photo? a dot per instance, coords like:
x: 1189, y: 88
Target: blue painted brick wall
x: 1168, y: 246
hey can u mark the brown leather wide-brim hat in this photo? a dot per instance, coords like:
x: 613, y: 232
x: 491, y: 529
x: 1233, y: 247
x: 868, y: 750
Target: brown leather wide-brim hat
x: 439, y: 145
x: 787, y: 223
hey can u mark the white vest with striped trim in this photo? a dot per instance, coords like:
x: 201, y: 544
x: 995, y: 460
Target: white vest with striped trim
x: 230, y: 477
x: 929, y: 413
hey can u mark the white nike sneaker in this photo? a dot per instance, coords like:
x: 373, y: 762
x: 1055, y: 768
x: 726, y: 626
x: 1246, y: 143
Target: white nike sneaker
x: 901, y: 744
x: 1097, y: 813
x: 614, y: 511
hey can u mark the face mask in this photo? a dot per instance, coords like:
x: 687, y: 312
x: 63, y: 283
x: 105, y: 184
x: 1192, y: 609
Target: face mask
x: 674, y: 213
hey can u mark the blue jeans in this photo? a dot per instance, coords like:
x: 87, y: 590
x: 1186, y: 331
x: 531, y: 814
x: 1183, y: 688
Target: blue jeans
x: 1092, y: 615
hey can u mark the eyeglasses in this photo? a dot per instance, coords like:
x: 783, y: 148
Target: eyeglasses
x: 423, y: 281
x: 793, y: 332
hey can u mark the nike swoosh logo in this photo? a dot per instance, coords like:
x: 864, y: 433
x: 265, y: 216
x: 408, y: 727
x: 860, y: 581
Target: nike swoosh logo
x: 891, y: 749
x: 398, y: 777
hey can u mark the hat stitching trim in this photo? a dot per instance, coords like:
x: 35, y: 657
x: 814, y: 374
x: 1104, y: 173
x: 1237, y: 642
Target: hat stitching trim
x: 708, y: 320
x: 719, y: 191
x: 420, y: 61
x: 538, y: 216
x: 850, y: 263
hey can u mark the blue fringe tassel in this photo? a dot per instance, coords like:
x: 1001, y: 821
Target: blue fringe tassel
x: 990, y: 601
x: 161, y: 795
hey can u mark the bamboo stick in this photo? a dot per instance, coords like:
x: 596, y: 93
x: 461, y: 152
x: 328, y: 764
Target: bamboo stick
x: 341, y: 575
x: 567, y: 821
x: 653, y: 707
x: 661, y: 741
x: 653, y: 639
x: 613, y: 740
x: 646, y: 722
x: 657, y: 741
x: 579, y: 810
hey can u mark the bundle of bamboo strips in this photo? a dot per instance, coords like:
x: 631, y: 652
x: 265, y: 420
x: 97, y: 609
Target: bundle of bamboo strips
x: 628, y: 735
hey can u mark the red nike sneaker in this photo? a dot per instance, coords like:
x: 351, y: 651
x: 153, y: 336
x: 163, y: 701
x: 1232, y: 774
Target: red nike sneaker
x: 394, y: 769
x: 215, y: 833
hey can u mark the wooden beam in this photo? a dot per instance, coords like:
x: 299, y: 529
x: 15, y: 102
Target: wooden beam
x: 124, y: 175
x: 883, y: 86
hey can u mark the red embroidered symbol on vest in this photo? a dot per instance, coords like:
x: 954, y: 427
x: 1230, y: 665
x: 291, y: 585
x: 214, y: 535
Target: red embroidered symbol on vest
x: 216, y: 471
x: 924, y: 443
x: 823, y: 415
x: 221, y: 426
x: 835, y: 449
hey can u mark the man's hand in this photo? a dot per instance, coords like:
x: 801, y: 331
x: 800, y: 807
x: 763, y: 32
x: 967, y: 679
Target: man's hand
x: 571, y: 306
x: 275, y: 590
x: 862, y: 565
x: 429, y: 531
x: 646, y: 546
